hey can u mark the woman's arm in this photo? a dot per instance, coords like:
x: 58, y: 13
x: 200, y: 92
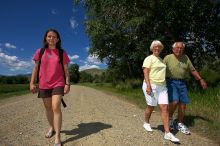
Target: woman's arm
x: 33, y: 88
x: 67, y: 85
x: 147, y: 80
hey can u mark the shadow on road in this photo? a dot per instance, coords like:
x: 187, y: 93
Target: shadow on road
x: 189, y: 120
x: 85, y: 129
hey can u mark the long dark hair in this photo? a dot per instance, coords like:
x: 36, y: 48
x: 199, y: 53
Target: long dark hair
x: 58, y: 44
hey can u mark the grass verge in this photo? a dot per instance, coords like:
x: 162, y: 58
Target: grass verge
x: 10, y: 90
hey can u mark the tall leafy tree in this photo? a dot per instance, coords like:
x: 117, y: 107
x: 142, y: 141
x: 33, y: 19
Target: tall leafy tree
x: 195, y: 22
x: 121, y: 31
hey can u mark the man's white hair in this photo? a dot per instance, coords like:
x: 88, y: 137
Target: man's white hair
x: 174, y: 45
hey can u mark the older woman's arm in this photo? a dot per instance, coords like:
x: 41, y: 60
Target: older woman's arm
x: 147, y: 80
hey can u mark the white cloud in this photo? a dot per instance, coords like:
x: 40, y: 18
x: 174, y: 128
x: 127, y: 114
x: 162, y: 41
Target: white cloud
x: 10, y: 46
x: 93, y: 59
x: 7, y: 58
x: 84, y: 67
x: 73, y: 23
x: 20, y: 65
x: 74, y: 57
x: 13, y: 63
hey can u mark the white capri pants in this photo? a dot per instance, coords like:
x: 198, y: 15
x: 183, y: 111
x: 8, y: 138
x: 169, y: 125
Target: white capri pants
x: 158, y: 95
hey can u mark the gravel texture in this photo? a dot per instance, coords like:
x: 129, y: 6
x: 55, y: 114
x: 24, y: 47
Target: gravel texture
x: 92, y: 118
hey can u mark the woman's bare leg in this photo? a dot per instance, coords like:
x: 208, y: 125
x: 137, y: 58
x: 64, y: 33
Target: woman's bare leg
x: 56, y: 105
x: 165, y: 116
x: 49, y: 112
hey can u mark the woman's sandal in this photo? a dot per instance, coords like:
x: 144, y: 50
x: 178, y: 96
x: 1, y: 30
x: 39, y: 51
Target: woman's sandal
x: 50, y: 134
x: 58, y: 144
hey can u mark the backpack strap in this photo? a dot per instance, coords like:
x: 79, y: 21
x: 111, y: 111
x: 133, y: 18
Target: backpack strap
x: 40, y: 56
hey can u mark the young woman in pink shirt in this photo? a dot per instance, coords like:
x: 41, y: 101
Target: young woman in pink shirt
x: 54, y: 81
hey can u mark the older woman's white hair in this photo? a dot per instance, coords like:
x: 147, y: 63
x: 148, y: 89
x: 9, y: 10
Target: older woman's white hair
x: 156, y: 43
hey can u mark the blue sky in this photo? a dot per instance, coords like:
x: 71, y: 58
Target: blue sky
x: 23, y: 24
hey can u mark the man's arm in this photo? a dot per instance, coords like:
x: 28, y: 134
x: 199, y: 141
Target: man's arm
x: 199, y: 78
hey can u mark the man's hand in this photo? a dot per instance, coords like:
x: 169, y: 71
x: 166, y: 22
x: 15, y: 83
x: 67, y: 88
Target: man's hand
x: 203, y: 84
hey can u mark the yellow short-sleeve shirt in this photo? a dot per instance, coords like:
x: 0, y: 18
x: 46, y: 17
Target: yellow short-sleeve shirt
x: 157, y: 69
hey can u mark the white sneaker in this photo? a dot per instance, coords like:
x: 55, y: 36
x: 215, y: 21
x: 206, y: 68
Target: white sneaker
x: 171, y: 137
x: 182, y: 128
x: 147, y: 127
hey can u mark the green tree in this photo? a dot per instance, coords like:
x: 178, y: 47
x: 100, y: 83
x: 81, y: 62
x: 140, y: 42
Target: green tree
x: 74, y: 73
x: 121, y: 31
x: 85, y: 77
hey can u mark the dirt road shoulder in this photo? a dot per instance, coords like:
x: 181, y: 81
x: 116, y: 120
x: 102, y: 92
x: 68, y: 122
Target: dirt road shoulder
x: 92, y: 118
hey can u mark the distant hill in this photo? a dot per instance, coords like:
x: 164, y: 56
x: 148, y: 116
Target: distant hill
x: 18, y: 75
x: 93, y: 71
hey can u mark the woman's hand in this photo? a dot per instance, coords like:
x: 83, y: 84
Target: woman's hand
x: 149, y: 90
x: 67, y: 88
x: 33, y: 88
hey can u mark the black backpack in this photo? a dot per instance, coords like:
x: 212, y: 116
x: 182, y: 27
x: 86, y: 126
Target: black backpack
x: 42, y: 50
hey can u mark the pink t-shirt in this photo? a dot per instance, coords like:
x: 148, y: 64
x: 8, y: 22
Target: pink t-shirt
x: 51, y: 73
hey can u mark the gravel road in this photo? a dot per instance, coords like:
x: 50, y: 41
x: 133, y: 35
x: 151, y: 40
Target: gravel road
x: 92, y: 118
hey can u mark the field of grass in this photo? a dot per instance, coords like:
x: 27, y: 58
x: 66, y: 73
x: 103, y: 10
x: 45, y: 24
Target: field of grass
x: 202, y: 114
x: 205, y: 103
x: 9, y: 90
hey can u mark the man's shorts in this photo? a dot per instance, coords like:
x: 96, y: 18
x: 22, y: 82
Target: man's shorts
x: 46, y: 93
x: 177, y: 91
x: 158, y: 95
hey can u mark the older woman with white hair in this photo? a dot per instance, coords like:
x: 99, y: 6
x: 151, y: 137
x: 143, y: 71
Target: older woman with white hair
x: 154, y: 88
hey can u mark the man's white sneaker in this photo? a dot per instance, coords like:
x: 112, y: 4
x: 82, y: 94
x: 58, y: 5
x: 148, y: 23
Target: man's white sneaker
x: 147, y: 127
x: 171, y: 137
x: 182, y: 128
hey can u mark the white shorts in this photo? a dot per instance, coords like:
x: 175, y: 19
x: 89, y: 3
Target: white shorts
x: 158, y: 96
